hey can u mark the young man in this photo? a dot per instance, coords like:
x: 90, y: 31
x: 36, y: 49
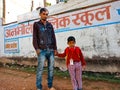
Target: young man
x: 44, y: 42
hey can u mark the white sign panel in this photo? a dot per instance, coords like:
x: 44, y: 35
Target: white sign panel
x: 12, y: 46
x: 77, y: 20
x: 85, y: 18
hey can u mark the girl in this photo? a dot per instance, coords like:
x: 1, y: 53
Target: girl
x: 75, y: 62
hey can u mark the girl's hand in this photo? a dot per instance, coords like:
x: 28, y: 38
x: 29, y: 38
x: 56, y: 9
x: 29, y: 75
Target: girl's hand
x: 83, y: 67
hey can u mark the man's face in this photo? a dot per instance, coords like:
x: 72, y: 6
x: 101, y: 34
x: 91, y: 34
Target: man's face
x: 44, y: 15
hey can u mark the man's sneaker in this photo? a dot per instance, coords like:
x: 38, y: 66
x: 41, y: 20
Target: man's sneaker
x: 52, y: 88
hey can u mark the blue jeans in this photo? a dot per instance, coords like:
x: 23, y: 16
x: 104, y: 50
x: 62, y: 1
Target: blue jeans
x: 49, y: 55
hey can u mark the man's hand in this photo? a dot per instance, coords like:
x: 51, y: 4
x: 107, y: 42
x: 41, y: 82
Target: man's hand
x: 38, y: 51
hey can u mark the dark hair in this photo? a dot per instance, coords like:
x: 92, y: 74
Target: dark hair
x: 43, y: 10
x: 71, y: 38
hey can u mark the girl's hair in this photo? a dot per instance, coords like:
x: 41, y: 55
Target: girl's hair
x: 71, y: 38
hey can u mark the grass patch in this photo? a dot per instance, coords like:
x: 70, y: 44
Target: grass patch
x: 29, y: 69
x: 96, y: 76
x: 60, y: 73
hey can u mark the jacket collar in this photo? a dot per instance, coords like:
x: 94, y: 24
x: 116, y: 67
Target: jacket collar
x: 42, y: 23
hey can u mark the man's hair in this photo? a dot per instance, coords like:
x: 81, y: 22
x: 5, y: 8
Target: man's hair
x: 43, y: 10
x: 71, y: 38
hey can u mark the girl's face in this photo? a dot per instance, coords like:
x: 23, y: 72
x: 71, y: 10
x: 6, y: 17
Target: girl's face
x: 71, y: 43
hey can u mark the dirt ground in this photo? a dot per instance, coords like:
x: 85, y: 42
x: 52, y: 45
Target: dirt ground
x: 18, y: 80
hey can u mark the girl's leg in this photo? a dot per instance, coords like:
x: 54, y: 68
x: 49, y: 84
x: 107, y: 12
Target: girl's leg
x: 71, y: 69
x: 78, y: 75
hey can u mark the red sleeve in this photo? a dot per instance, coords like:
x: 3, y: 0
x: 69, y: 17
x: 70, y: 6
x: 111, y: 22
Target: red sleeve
x: 81, y: 57
x: 62, y: 54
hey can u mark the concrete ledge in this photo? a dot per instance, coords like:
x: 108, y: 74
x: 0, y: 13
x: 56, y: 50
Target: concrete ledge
x: 96, y: 64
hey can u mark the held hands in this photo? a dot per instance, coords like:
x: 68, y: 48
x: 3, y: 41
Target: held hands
x: 56, y: 52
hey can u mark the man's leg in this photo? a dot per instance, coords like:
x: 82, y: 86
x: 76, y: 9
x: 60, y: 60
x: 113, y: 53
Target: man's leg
x: 50, y: 69
x: 41, y: 60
